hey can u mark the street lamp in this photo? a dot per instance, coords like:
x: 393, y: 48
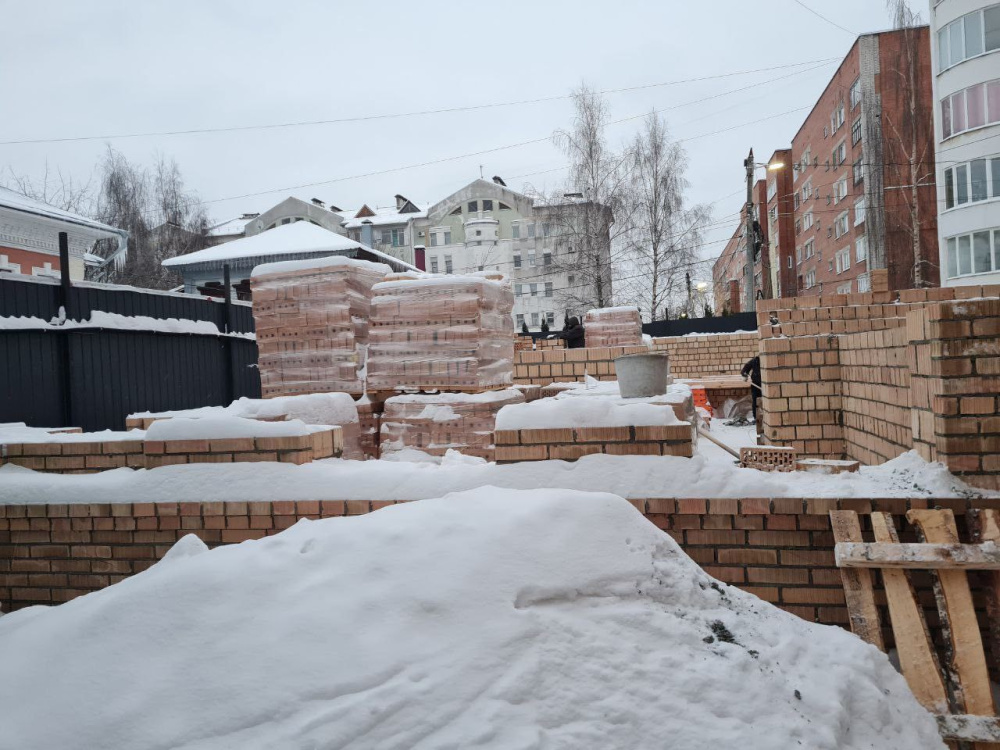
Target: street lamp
x: 751, y: 165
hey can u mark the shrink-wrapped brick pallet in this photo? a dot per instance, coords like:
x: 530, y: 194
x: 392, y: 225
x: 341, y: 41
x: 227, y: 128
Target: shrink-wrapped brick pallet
x: 311, y: 318
x: 436, y: 422
x: 613, y: 326
x: 449, y: 333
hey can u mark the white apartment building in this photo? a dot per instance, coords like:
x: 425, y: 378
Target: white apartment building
x: 966, y: 64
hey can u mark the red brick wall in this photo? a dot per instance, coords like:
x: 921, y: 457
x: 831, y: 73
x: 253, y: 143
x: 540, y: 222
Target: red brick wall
x: 28, y: 259
x: 780, y: 549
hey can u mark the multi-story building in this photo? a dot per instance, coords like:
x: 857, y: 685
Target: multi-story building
x: 780, y: 224
x: 966, y: 65
x: 863, y: 194
x: 729, y: 271
x: 391, y: 230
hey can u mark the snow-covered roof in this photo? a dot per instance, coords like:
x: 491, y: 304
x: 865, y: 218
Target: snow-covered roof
x: 384, y: 217
x: 300, y: 238
x: 232, y: 226
x: 19, y: 202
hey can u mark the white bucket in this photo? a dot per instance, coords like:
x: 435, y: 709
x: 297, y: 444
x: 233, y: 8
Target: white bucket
x: 643, y: 375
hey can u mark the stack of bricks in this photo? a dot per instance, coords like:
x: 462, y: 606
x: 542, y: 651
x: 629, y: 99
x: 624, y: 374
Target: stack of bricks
x: 312, y: 324
x: 954, y: 361
x: 523, y: 343
x: 445, y: 333
x: 570, y: 443
x: 801, y: 389
x: 542, y: 344
x: 569, y: 365
x: 295, y: 449
x: 613, y: 326
x: 436, y: 423
x: 75, y: 457
x: 87, y: 457
x: 369, y: 417
x: 875, y: 395
x: 704, y: 356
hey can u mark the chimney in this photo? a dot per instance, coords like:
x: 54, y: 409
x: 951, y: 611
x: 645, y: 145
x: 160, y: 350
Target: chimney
x: 367, y: 234
x: 400, y: 202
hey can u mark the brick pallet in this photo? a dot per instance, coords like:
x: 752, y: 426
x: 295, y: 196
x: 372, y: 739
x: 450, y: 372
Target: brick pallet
x: 613, y: 326
x: 442, y: 333
x: 312, y: 324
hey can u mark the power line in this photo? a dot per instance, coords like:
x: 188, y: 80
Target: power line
x: 820, y: 15
x: 395, y: 115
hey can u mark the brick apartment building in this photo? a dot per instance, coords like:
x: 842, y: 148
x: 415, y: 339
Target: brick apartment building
x: 859, y: 185
x: 729, y: 270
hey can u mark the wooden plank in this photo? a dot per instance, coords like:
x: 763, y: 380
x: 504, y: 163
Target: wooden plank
x: 985, y: 527
x: 857, y: 583
x: 918, y: 556
x: 916, y: 657
x: 957, y: 610
x: 967, y: 728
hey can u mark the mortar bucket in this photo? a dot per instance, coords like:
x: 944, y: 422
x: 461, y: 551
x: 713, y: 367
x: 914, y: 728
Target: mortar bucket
x: 643, y: 375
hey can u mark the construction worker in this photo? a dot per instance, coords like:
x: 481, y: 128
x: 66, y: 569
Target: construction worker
x: 573, y: 334
x: 752, y: 370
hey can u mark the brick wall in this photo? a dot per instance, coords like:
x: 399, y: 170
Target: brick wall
x: 875, y: 383
x: 569, y: 443
x: 568, y: 365
x: 703, y: 356
x: 779, y: 549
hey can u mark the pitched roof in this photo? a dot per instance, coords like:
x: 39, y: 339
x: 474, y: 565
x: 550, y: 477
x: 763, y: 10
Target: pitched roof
x: 382, y: 217
x: 19, y: 202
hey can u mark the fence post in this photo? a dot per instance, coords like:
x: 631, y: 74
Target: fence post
x: 66, y: 289
x: 227, y: 341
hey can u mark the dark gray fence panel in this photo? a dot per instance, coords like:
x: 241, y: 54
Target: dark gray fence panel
x: 31, y: 374
x: 721, y: 324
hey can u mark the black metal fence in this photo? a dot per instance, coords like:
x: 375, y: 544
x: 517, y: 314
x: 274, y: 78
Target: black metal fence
x: 684, y: 326
x: 94, y: 377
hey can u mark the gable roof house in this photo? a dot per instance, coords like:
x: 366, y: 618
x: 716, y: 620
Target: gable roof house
x: 204, y: 271
x: 391, y: 230
x: 29, y: 238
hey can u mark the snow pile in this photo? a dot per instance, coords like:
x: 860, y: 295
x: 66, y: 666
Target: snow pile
x: 492, y: 619
x: 13, y: 432
x: 592, y: 412
x: 311, y: 408
x: 225, y: 427
x: 117, y: 322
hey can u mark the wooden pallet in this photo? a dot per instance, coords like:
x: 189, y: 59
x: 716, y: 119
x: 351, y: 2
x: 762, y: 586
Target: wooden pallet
x: 954, y: 685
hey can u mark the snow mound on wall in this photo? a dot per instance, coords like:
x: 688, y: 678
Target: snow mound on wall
x: 491, y: 619
x: 225, y: 428
x: 312, y: 408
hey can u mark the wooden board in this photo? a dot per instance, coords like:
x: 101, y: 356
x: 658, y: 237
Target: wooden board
x: 916, y: 657
x: 918, y: 556
x: 985, y: 527
x: 857, y: 583
x: 963, y: 727
x: 955, y: 604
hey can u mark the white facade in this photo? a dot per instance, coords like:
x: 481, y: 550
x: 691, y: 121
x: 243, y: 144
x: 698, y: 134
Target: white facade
x: 965, y: 55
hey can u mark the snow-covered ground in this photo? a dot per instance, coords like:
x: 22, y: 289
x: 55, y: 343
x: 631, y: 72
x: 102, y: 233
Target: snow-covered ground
x: 491, y: 619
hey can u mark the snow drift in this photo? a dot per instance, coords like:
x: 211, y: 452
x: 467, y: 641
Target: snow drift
x: 493, y: 618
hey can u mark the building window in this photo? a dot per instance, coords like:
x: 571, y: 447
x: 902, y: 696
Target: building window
x: 840, y: 190
x: 517, y: 260
x: 534, y: 319
x: 844, y: 288
x: 810, y: 279
x: 447, y: 236
x: 503, y: 206
x: 773, y: 214
x: 975, y: 253
x: 837, y: 118
x: 856, y: 93
x: 807, y: 190
x: 859, y: 211
x: 546, y: 258
x: 487, y: 204
x: 434, y: 264
x: 861, y: 250
x: 473, y: 207
x: 534, y: 289
x: 840, y: 154
x: 434, y: 239
x: 790, y: 262
x: 550, y: 318
x: 807, y: 220
x: 515, y: 231
x: 971, y: 35
x: 810, y: 249
x: 518, y: 290
x: 398, y: 237
x: 548, y: 288
x: 864, y: 283
x: 531, y: 231
x: 531, y: 257
x: 546, y: 229
x: 843, y: 259
x: 448, y: 268
x: 772, y: 189
x: 456, y: 212
x: 970, y: 108
x: 841, y: 225
x: 386, y: 237
x: 974, y: 181
x: 798, y: 227
x: 520, y: 321
x: 856, y: 132
x: 571, y: 279
x: 859, y: 171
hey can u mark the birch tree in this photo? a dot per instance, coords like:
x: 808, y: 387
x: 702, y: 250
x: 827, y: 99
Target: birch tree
x: 664, y: 233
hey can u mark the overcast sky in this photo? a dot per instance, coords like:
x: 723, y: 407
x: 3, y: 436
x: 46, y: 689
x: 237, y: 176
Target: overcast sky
x: 98, y: 68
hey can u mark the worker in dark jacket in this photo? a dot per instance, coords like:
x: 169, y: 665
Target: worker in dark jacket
x: 573, y: 334
x: 752, y: 369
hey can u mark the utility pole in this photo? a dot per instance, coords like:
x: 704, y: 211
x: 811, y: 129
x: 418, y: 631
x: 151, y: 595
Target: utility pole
x: 751, y: 302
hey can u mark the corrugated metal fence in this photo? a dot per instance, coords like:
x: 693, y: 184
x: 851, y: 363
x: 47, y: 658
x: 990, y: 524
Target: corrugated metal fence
x: 93, y: 378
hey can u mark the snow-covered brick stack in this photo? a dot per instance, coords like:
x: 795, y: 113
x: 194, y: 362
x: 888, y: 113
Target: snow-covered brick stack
x: 436, y: 423
x: 451, y: 333
x: 312, y: 324
x: 369, y: 416
x: 68, y: 450
x: 613, y: 326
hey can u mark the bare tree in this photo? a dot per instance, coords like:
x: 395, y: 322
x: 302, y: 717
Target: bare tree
x: 162, y: 218
x: 591, y: 226
x: 664, y: 232
x: 57, y: 190
x: 909, y: 153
